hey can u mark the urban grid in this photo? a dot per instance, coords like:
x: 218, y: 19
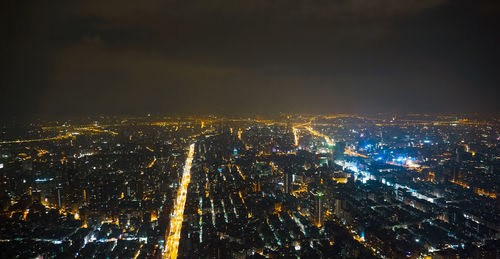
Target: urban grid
x: 296, y: 186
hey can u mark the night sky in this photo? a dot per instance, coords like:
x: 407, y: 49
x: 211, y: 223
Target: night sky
x: 241, y: 57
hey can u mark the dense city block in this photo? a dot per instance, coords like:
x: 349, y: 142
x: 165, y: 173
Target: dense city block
x: 291, y: 186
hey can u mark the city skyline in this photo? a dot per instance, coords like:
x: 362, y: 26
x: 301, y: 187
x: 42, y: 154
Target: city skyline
x: 295, y: 186
x: 250, y: 129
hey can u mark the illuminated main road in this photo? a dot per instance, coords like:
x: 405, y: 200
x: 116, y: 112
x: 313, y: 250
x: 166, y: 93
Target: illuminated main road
x: 177, y: 216
x: 295, y: 136
x: 327, y: 139
x: 308, y: 127
x: 316, y: 133
x: 77, y: 131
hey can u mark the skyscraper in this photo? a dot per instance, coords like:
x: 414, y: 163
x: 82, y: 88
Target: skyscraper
x: 318, y: 217
x: 59, y: 187
x: 339, y: 150
x: 287, y: 181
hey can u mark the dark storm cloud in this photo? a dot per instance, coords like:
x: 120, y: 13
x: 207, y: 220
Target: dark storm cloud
x: 345, y: 9
x: 87, y: 57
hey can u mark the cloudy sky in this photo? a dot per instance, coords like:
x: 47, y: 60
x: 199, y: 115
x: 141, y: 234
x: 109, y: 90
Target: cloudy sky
x: 65, y: 58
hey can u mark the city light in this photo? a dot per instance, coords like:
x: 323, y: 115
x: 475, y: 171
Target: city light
x: 122, y: 190
x: 177, y: 216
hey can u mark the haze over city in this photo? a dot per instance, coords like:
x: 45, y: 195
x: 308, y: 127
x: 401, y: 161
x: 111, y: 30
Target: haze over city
x: 238, y: 57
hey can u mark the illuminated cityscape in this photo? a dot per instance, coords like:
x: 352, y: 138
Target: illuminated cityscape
x: 250, y: 129
x: 294, y: 186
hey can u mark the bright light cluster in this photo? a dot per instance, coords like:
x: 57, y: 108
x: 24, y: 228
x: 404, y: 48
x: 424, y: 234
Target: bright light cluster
x: 177, y: 216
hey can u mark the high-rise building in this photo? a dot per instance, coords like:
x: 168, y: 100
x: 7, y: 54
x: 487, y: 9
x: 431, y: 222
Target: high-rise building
x: 339, y: 150
x: 318, y: 216
x: 339, y: 208
x: 59, y: 203
x: 287, y: 182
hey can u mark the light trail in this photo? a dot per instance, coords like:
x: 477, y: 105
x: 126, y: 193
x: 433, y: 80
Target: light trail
x: 308, y: 126
x: 37, y: 140
x: 239, y: 133
x: 97, y: 130
x: 241, y: 174
x: 177, y: 216
x: 60, y: 137
x: 295, y: 136
x: 152, y: 163
x: 316, y: 133
x: 350, y: 152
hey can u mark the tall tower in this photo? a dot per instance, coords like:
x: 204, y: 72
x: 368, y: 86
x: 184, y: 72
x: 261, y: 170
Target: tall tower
x: 59, y: 187
x: 339, y: 150
x: 318, y: 209
x: 287, y: 181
